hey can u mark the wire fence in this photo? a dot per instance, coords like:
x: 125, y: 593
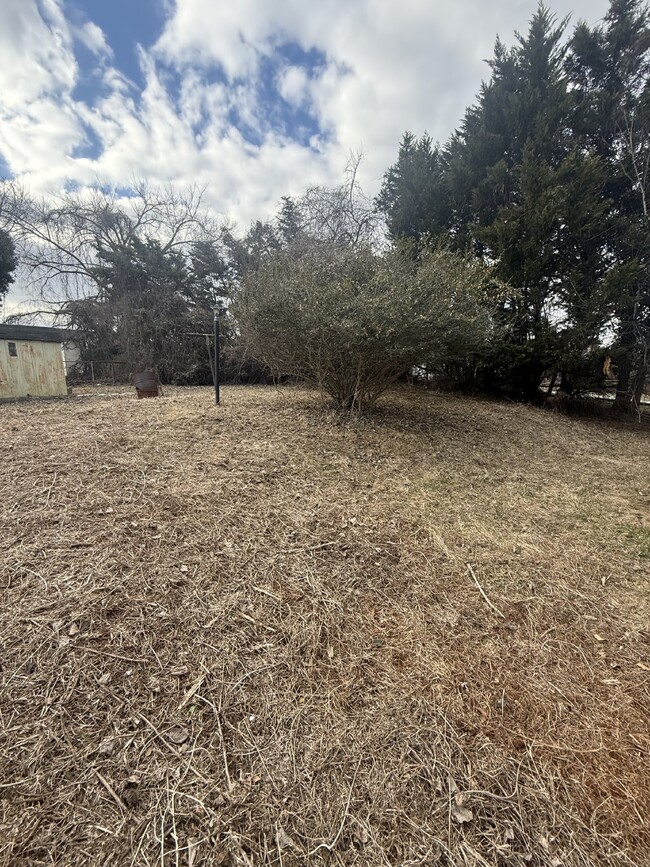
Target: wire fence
x: 115, y: 372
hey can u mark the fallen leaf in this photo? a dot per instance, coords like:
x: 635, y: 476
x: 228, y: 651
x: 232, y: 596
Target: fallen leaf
x: 131, y: 795
x: 461, y: 814
x: 599, y: 637
x: 362, y: 835
x: 179, y: 671
x: 109, y: 511
x: 106, y: 747
x: 178, y: 734
x: 643, y: 666
x: 330, y: 652
x: 74, y: 629
x: 185, y: 568
x: 283, y: 839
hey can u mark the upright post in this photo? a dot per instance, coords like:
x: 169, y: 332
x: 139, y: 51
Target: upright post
x: 216, y: 356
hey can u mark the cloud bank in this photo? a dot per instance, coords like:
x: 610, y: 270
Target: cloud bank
x: 253, y: 99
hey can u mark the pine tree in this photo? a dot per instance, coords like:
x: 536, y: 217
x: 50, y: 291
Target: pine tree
x: 288, y: 220
x: 609, y: 67
x: 413, y: 196
x: 7, y: 261
x: 530, y: 199
x: 507, y: 184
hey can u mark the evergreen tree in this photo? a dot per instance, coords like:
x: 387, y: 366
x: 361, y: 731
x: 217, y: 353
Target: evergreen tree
x: 210, y: 274
x: 507, y: 180
x: 609, y: 67
x: 7, y: 261
x: 413, y: 196
x: 533, y: 200
x: 288, y: 220
x: 144, y: 310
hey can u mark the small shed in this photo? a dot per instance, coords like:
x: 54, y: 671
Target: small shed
x: 31, y: 362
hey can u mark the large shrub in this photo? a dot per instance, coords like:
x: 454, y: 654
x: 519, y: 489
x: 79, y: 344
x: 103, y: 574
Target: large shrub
x: 352, y: 321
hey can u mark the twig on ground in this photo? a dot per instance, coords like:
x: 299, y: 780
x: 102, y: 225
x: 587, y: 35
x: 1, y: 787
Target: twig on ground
x: 482, y: 592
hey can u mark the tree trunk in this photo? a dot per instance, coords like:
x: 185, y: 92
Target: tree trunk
x: 639, y: 384
x: 623, y: 397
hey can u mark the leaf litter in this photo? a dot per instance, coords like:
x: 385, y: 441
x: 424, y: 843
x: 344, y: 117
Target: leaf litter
x: 324, y: 684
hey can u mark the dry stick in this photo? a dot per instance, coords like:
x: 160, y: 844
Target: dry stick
x: 223, y: 752
x: 111, y: 791
x: 330, y: 846
x: 112, y: 655
x: 189, y: 695
x: 266, y: 592
x: 482, y: 592
x: 49, y: 490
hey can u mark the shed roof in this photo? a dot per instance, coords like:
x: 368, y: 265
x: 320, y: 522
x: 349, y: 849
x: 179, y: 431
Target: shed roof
x: 33, y: 332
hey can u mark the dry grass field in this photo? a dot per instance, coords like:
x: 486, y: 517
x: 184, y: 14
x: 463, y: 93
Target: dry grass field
x: 261, y: 635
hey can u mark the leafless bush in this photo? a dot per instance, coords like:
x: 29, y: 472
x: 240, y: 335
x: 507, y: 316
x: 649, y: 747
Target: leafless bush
x: 352, y: 321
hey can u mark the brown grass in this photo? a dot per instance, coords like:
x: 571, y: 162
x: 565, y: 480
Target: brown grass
x: 256, y: 634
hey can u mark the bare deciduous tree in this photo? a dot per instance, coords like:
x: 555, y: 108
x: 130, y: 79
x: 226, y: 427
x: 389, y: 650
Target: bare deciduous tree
x: 58, y: 237
x: 341, y: 214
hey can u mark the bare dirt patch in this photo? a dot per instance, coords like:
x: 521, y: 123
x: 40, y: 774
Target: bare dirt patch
x: 256, y: 634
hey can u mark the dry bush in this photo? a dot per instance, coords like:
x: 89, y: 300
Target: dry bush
x: 352, y: 322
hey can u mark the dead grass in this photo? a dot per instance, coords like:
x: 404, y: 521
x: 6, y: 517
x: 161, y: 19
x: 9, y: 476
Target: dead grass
x: 251, y: 635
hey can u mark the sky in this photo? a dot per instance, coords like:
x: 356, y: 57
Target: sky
x: 254, y: 99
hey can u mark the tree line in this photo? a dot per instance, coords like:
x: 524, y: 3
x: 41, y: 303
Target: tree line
x: 514, y: 258
x: 548, y: 181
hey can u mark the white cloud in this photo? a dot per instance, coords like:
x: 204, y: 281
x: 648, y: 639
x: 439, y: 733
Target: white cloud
x: 386, y: 67
x: 93, y: 38
x: 293, y: 85
x: 36, y: 52
x: 389, y: 66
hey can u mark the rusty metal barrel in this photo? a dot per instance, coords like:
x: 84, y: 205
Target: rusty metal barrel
x: 146, y: 384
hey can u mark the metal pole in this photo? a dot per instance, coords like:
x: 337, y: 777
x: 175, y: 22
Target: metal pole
x: 216, y: 357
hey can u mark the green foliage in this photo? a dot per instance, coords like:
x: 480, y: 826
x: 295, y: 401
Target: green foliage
x: 414, y: 195
x: 352, y: 321
x: 509, y: 188
x: 548, y: 181
x: 146, y: 309
x: 8, y: 261
x: 609, y: 67
x: 289, y: 220
x: 210, y: 274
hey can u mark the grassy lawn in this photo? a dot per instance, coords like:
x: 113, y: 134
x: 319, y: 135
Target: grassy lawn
x: 258, y: 634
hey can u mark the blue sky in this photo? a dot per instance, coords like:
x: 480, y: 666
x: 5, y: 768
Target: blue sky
x: 253, y: 98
